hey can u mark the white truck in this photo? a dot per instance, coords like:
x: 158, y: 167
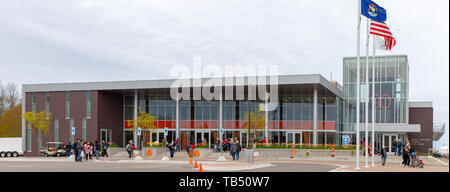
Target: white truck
x: 10, y: 147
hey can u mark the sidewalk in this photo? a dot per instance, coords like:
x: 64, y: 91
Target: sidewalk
x: 389, y: 168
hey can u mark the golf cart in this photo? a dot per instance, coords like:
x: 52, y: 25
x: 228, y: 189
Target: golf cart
x: 53, y: 150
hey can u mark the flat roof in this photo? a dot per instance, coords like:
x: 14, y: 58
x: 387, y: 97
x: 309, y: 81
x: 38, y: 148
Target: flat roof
x: 307, y: 79
x: 420, y: 104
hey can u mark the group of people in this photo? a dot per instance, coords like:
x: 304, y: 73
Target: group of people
x: 229, y: 144
x: 403, y: 149
x: 87, y: 149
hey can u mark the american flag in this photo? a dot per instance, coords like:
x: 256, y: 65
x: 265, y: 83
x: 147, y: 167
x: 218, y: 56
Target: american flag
x: 382, y: 30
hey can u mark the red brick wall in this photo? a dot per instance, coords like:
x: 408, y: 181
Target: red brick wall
x: 78, y: 111
x: 422, y: 141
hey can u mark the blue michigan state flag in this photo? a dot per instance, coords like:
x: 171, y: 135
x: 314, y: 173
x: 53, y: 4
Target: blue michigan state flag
x: 373, y: 11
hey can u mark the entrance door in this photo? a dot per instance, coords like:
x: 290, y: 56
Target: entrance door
x: 290, y: 138
x: 105, y: 135
x: 184, y: 140
x: 293, y: 138
x: 388, y: 141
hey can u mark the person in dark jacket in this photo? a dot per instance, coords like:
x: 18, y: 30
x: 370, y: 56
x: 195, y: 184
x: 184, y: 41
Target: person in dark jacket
x: 178, y: 145
x: 105, y: 146
x: 171, y: 148
x: 68, y: 149
x: 235, y: 149
x: 77, y: 150
x: 97, y: 150
x: 399, y: 147
x: 383, y: 155
x: 395, y: 146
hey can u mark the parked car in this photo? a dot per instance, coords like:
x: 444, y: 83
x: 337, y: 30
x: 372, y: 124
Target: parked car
x: 11, y: 147
x: 54, y: 149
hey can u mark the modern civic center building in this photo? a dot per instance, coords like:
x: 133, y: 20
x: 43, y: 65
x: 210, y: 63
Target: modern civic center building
x: 310, y: 110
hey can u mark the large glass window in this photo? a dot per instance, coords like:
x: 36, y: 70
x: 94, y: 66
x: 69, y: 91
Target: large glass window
x: 67, y: 104
x: 88, y: 104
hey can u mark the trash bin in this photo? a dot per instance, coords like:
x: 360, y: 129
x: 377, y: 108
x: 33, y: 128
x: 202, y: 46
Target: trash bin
x: 249, y: 155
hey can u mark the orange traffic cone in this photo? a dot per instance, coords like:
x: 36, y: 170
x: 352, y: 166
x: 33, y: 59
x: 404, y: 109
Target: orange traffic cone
x: 190, y: 160
x: 332, y: 150
x: 195, y: 164
x: 201, y: 168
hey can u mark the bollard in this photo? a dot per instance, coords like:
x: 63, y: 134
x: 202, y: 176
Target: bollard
x: 196, y: 166
x: 201, y: 168
x: 332, y: 150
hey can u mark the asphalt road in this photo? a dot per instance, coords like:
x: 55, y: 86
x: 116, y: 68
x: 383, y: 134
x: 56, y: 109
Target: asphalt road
x: 19, y: 166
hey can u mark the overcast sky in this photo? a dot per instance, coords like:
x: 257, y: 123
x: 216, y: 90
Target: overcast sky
x: 85, y: 40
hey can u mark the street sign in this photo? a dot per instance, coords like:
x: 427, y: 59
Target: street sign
x: 139, y: 131
x: 221, y: 131
x: 197, y: 153
x: 73, y: 130
x: 166, y: 131
x: 345, y: 139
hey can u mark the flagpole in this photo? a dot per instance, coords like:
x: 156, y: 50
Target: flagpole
x: 366, y: 98
x: 357, y: 83
x: 373, y: 102
x: 358, y: 37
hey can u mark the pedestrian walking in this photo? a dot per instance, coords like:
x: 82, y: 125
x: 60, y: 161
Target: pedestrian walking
x: 68, y: 149
x: 178, y: 146
x: 399, y: 147
x: 234, y: 150
x: 395, y: 146
x: 383, y: 155
x: 187, y: 148
x: 87, y: 150
x: 217, y: 146
x: 97, y: 149
x: 76, y: 149
x: 130, y: 148
x: 105, y: 146
x: 171, y: 148
x: 406, y: 160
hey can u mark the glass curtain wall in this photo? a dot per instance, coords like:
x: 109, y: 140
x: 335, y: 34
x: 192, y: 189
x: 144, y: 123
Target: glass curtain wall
x: 391, y: 90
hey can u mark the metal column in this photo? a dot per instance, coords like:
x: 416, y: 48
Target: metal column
x: 315, y: 116
x: 177, y: 117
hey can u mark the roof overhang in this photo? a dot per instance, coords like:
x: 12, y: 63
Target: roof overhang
x: 315, y: 79
x: 393, y: 127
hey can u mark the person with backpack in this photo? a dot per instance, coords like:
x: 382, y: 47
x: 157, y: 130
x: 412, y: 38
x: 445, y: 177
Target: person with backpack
x: 130, y: 148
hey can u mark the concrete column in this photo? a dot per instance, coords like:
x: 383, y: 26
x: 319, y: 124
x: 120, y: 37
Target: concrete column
x: 315, y: 116
x: 24, y: 130
x: 177, y: 117
x: 220, y: 120
x: 266, y: 118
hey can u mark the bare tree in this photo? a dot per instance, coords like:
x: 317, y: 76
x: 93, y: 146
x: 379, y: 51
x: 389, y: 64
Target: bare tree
x: 9, y: 96
x: 3, y: 99
x: 12, y: 94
